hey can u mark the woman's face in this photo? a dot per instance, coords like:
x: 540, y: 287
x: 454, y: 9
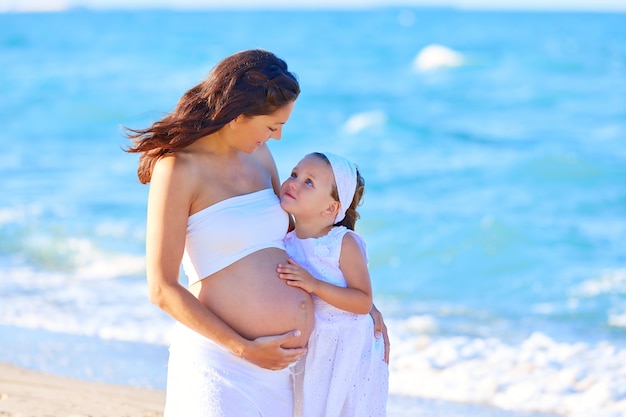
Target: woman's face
x: 254, y: 131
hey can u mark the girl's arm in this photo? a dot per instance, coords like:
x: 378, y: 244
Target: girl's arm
x: 171, y: 193
x: 356, y: 298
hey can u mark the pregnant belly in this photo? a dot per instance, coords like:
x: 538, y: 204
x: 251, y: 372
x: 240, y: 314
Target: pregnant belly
x: 250, y: 298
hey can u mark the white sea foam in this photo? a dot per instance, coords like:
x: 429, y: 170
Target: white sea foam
x: 538, y: 375
x: 435, y: 56
x: 19, y: 214
x: 110, y: 266
x: 617, y: 317
x: 610, y: 281
x: 106, y: 296
x: 362, y: 121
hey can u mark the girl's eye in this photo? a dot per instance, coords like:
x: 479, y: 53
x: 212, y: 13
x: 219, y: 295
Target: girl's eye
x: 272, y: 129
x: 294, y: 175
x: 309, y: 182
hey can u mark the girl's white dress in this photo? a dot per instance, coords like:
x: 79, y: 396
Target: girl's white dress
x: 344, y: 370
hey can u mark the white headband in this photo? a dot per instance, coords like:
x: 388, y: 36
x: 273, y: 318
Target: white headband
x: 345, y: 178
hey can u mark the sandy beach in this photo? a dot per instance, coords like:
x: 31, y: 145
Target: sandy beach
x: 27, y: 393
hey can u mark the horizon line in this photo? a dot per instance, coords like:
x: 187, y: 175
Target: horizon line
x: 42, y: 6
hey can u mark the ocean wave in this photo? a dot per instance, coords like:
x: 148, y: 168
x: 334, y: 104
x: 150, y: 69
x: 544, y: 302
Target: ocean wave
x: 617, y: 316
x: 609, y: 282
x: 436, y: 56
x: 361, y: 121
x: 111, y: 308
x: 42, y: 240
x: 537, y: 375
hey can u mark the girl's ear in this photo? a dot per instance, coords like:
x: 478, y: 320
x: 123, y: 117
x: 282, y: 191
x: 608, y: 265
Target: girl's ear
x: 332, y: 209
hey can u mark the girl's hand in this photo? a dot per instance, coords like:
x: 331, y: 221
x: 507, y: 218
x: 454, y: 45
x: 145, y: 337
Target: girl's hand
x: 296, y: 276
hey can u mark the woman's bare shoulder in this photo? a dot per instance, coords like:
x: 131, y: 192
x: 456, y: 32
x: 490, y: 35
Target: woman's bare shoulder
x: 179, y: 176
x: 174, y: 165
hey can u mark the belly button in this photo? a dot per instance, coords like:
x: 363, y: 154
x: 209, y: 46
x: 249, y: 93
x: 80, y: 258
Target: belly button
x: 306, y: 304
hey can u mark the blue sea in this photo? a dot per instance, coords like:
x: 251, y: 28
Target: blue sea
x: 493, y: 145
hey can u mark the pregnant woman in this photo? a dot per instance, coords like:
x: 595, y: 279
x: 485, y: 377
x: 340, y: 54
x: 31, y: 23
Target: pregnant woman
x: 213, y: 207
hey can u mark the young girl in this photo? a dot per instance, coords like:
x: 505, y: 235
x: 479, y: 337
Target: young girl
x: 345, y: 374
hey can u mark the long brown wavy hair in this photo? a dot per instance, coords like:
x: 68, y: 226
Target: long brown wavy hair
x: 249, y: 83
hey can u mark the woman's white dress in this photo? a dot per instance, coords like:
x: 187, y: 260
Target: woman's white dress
x: 344, y: 370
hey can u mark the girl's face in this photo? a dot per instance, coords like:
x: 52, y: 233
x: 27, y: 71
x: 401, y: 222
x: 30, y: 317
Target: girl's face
x: 307, y: 192
x: 254, y: 131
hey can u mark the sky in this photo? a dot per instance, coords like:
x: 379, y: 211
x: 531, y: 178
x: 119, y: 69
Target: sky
x: 563, y: 5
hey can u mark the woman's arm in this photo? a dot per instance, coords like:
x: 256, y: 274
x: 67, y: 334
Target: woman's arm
x: 171, y: 193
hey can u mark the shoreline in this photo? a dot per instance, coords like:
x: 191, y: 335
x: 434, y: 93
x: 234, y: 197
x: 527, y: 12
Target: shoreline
x: 29, y: 393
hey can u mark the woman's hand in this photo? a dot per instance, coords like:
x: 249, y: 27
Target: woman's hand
x: 267, y: 351
x: 380, y: 329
